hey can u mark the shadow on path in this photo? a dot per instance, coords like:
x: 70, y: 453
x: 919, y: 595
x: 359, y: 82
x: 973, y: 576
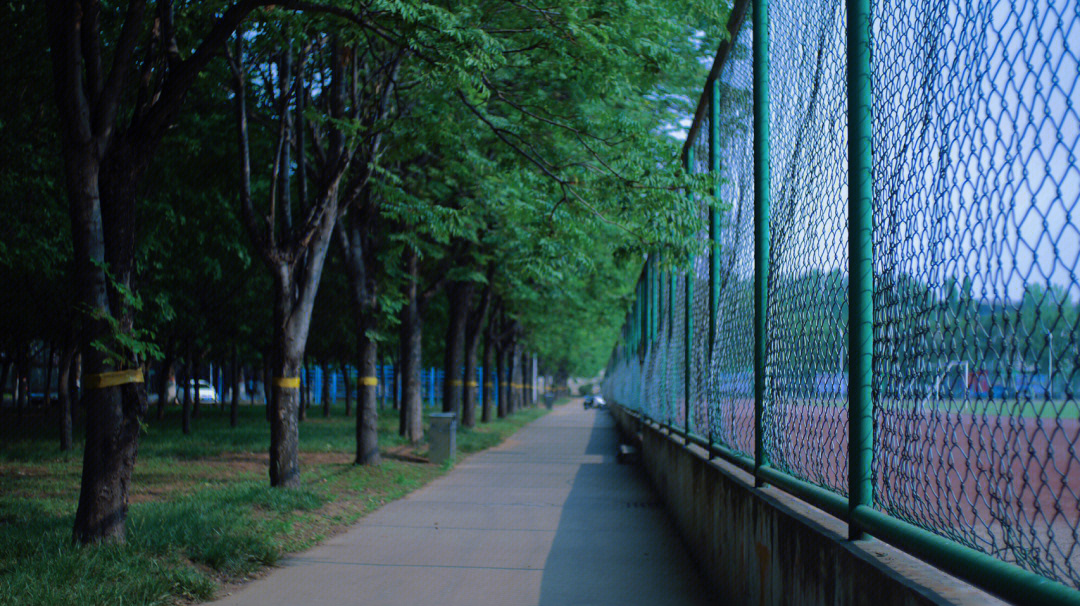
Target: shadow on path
x: 615, y: 544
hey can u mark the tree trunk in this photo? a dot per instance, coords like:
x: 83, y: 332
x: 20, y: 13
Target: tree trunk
x: 47, y: 396
x: 284, y: 419
x: 22, y: 383
x: 411, y: 425
x: 459, y: 297
x: 185, y: 383
x: 309, y: 388
x: 468, y: 392
x: 168, y: 371
x: 237, y: 378
x: 472, y: 341
x: 489, y: 370
x: 396, y: 387
x: 267, y: 381
x: 367, y: 407
x: 285, y: 400
x: 112, y: 429
x: 411, y: 405
x: 515, y: 385
x: 14, y: 384
x: 112, y: 412
x: 514, y: 371
x: 76, y: 387
x: 348, y: 392
x: 194, y: 380
x: 531, y: 383
x: 301, y: 413
x: 503, y: 364
x: 524, y: 379
x: 523, y: 374
x: 325, y: 390
x: 219, y: 387
x: 292, y: 320
x: 5, y: 369
x: 383, y: 384
x: 515, y: 378
x: 519, y: 372
x: 63, y: 388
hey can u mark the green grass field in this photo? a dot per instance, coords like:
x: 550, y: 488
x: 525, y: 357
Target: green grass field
x: 202, y: 511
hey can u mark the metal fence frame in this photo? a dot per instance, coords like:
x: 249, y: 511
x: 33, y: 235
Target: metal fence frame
x: 1005, y: 579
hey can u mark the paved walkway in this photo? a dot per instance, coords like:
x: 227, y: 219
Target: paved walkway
x: 548, y: 518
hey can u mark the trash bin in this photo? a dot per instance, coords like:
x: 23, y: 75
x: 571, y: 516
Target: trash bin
x: 549, y: 400
x: 443, y: 437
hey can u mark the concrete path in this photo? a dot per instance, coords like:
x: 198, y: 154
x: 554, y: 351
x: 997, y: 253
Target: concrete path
x: 548, y: 518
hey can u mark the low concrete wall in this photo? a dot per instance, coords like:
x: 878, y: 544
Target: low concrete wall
x: 763, y: 546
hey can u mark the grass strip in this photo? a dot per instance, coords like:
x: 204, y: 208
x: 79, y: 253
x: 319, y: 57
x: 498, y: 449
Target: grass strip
x: 202, y: 511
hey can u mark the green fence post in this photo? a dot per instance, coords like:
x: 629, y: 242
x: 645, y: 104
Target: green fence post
x: 637, y: 327
x: 714, y: 226
x: 656, y: 299
x: 646, y: 310
x: 760, y: 16
x: 860, y: 263
x: 714, y: 217
x: 671, y: 335
x: 648, y: 300
x: 660, y: 298
x: 687, y: 320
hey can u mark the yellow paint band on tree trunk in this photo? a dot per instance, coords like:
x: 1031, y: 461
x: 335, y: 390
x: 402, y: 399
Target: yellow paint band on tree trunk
x: 287, y: 382
x: 455, y: 382
x: 471, y: 384
x: 112, y: 379
x: 369, y: 381
x: 488, y: 385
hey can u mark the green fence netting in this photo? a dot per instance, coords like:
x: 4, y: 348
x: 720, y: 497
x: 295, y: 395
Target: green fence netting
x: 976, y: 248
x: 731, y: 380
x: 805, y: 415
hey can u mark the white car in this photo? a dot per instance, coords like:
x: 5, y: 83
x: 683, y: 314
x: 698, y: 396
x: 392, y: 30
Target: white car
x: 207, y: 393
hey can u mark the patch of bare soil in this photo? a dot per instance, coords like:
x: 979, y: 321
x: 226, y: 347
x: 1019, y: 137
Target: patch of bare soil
x: 36, y: 481
x: 260, y: 461
x: 223, y: 468
x: 21, y: 470
x: 406, y: 453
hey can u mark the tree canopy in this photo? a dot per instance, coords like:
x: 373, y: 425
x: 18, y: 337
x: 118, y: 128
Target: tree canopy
x: 178, y: 174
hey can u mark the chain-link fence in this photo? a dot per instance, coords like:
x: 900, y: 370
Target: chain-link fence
x: 975, y: 201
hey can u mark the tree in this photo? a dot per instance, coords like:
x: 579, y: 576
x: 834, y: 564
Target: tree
x: 474, y: 323
x: 111, y: 126
x: 294, y: 253
x: 561, y: 108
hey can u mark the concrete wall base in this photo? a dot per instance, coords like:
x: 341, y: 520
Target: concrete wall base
x: 763, y: 546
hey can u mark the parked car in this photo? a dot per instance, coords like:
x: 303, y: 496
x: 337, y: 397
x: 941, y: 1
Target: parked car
x: 207, y: 393
x: 595, y: 402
